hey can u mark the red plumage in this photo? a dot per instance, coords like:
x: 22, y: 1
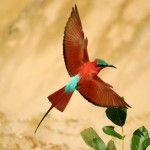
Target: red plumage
x: 83, y: 73
x: 77, y: 62
x: 100, y: 93
x: 60, y: 99
x: 74, y: 43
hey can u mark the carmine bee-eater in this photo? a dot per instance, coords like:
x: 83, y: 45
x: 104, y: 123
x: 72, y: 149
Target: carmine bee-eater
x: 83, y: 72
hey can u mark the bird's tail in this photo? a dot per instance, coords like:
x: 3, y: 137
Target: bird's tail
x: 59, y: 100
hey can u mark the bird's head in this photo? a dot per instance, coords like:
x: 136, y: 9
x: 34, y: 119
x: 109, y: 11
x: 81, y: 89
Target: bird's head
x: 102, y: 64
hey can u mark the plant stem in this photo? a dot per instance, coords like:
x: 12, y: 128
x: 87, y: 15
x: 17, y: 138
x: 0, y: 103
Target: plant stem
x: 123, y: 139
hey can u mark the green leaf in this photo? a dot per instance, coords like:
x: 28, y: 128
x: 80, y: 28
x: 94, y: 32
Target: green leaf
x: 111, y: 145
x: 140, y: 139
x: 88, y: 135
x: 98, y: 144
x: 144, y: 131
x: 146, y: 143
x: 117, y: 115
x: 110, y: 131
x: 135, y: 143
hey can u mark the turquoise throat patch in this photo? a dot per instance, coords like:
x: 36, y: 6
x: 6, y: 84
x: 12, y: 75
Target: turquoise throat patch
x: 70, y: 87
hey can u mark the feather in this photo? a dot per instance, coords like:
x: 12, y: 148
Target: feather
x: 100, y: 93
x: 74, y: 43
x: 59, y: 100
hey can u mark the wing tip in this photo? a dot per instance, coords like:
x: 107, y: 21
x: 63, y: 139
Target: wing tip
x: 74, y: 9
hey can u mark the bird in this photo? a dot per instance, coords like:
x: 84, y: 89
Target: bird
x: 83, y: 72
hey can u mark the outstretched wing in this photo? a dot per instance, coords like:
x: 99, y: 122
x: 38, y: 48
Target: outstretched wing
x: 74, y: 43
x: 100, y: 93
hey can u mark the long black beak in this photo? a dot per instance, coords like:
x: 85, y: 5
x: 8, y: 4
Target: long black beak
x: 111, y: 66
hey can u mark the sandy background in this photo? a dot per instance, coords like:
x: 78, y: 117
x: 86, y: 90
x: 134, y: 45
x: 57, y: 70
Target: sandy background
x: 32, y: 67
